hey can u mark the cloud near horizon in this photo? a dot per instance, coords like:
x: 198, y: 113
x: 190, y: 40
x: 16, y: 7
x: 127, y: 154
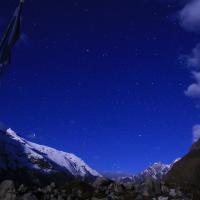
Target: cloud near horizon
x: 189, y: 16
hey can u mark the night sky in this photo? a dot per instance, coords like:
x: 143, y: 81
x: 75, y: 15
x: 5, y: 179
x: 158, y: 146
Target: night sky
x: 106, y: 80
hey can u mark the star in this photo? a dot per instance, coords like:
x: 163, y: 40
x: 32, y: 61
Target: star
x: 140, y: 135
x: 87, y: 50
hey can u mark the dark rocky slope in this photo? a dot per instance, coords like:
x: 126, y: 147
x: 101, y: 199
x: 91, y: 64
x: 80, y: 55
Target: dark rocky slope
x: 186, y: 171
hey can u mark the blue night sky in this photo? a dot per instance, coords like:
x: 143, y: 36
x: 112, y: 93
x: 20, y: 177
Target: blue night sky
x: 104, y: 80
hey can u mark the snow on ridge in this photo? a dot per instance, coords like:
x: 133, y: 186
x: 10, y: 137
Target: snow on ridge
x: 14, y: 136
x: 175, y: 161
x: 11, y: 133
x: 65, y: 161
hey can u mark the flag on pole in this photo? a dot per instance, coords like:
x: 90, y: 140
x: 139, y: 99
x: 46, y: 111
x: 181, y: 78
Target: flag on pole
x: 10, y: 37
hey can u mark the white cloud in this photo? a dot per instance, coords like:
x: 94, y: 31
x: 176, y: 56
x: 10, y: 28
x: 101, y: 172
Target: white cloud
x: 193, y: 60
x: 189, y: 16
x: 196, y: 132
x: 193, y: 90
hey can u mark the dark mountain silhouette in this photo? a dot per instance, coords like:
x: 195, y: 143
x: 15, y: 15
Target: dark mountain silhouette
x: 187, y: 170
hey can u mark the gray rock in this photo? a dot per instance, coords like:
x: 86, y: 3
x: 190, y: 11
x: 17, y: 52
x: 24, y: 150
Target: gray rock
x: 115, y: 187
x: 172, y: 192
x: 29, y: 196
x: 164, y: 189
x: 101, y: 182
x: 7, y: 190
x: 94, y: 198
x: 129, y: 186
x: 22, y: 189
x: 139, y: 197
x: 71, y: 197
x: 118, y: 188
x: 163, y: 198
x: 112, y: 196
x: 145, y: 193
x: 52, y: 185
x: 149, y: 183
x: 48, y: 189
x: 60, y: 198
x: 157, y: 188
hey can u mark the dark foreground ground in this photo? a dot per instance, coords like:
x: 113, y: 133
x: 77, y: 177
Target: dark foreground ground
x: 101, y: 189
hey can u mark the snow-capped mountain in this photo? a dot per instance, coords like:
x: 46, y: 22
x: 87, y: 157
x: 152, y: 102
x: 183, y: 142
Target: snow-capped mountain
x: 16, y: 153
x: 155, y: 172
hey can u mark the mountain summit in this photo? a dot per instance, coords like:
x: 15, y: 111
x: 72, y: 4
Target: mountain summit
x: 23, y: 159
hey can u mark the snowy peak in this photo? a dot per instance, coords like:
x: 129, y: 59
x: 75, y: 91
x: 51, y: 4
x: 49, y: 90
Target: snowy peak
x: 68, y: 161
x: 157, y: 168
x: 18, y: 153
x: 9, y: 132
x: 154, y: 172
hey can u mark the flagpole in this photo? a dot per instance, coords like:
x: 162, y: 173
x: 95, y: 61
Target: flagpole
x: 2, y: 43
x: 21, y: 3
x: 10, y: 37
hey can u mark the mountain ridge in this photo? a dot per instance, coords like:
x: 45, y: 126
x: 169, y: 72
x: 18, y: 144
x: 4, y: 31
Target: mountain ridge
x: 17, y: 153
x: 155, y: 172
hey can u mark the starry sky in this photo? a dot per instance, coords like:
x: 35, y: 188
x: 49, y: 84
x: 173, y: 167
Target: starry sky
x: 106, y: 80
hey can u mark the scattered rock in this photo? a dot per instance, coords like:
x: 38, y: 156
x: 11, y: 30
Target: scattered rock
x: 101, y: 189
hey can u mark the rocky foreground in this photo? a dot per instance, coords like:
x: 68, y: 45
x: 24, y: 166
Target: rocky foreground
x: 101, y: 189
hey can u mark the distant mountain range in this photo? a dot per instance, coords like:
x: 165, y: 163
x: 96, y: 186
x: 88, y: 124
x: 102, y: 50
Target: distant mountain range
x: 154, y: 172
x: 183, y: 172
x: 40, y: 163
x: 21, y: 159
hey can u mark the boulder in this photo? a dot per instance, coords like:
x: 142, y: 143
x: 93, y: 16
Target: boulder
x: 164, y: 189
x: 28, y: 196
x: 172, y: 192
x: 7, y: 190
x: 163, y: 198
x: 99, y: 182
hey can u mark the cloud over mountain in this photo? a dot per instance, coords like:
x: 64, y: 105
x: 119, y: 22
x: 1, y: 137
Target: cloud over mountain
x: 196, y: 132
